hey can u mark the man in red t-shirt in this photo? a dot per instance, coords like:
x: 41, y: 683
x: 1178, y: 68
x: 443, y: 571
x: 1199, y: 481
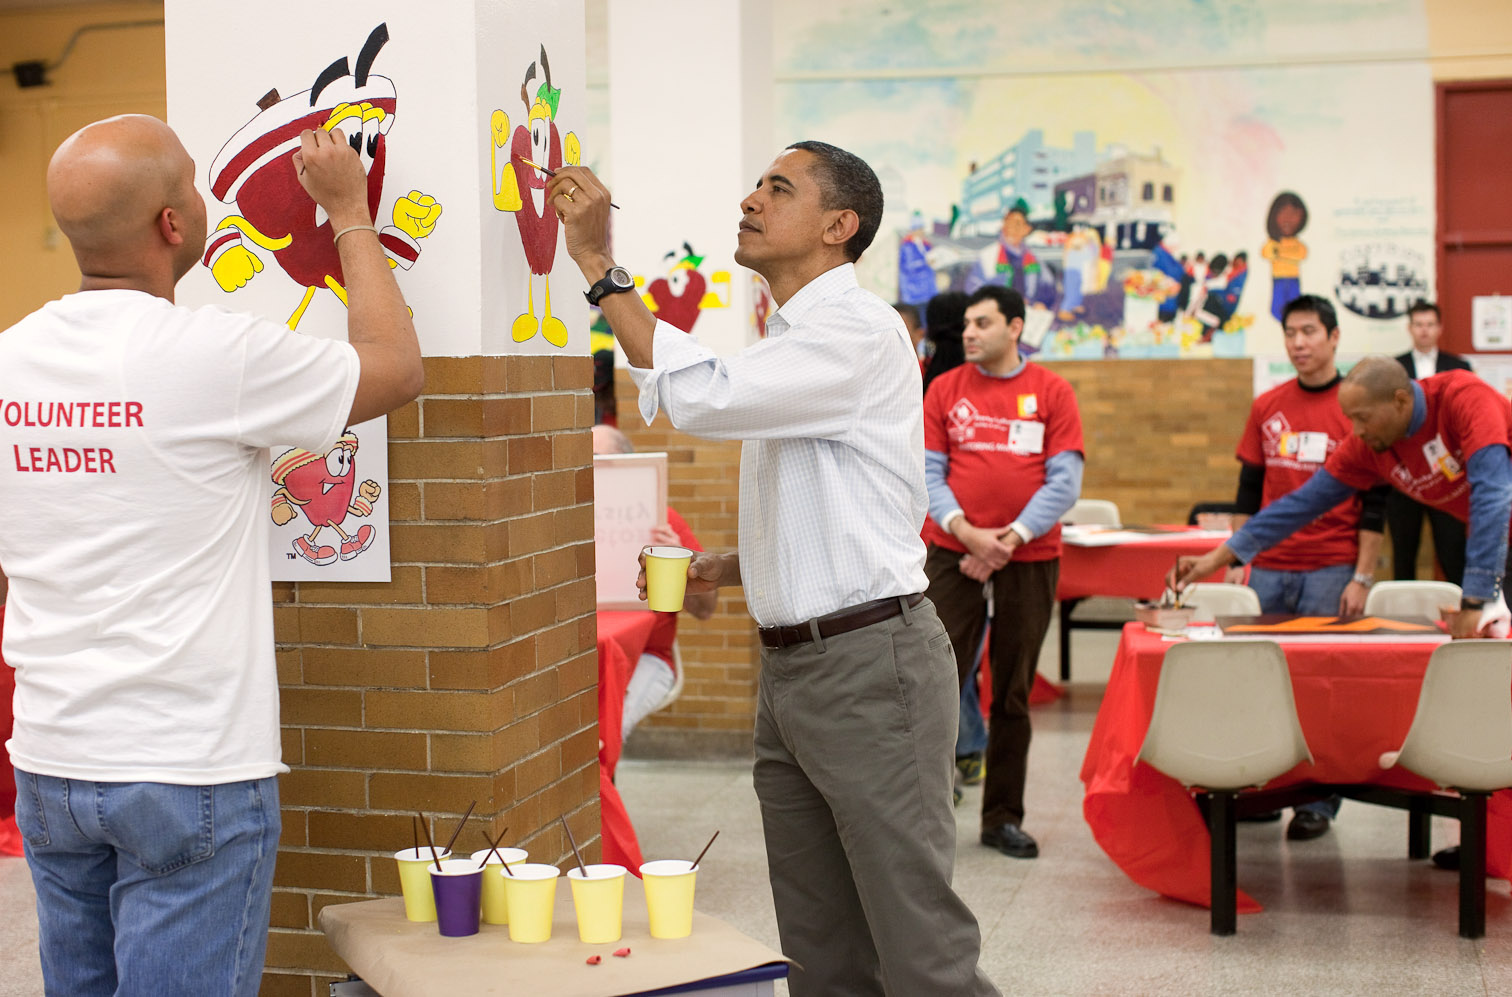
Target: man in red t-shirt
x: 1003, y: 462
x: 654, y: 673
x: 1326, y: 567
x: 1445, y: 441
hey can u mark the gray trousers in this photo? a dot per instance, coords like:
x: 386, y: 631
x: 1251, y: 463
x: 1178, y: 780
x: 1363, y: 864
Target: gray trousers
x: 855, y: 754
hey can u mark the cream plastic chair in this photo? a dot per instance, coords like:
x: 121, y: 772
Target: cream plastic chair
x: 1214, y: 599
x: 677, y: 680
x: 1411, y: 598
x: 1225, y: 720
x: 1461, y: 739
x: 1093, y: 512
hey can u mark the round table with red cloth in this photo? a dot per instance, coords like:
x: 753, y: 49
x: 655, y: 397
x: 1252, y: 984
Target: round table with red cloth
x: 1355, y: 701
x: 622, y: 636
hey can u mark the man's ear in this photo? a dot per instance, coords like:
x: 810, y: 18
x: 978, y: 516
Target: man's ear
x: 842, y: 227
x: 1016, y: 329
x: 170, y: 226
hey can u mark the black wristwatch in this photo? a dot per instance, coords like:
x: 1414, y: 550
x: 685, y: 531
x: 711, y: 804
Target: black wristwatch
x: 1470, y: 602
x: 615, y: 280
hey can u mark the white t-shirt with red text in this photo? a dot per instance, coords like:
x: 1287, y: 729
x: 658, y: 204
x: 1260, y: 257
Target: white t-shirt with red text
x: 134, y: 522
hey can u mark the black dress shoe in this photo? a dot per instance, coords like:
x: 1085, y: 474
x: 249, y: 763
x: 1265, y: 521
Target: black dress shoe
x: 1306, y: 825
x: 1447, y: 858
x: 1011, y: 840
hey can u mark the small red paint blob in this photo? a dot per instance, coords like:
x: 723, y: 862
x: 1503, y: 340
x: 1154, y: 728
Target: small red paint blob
x: 622, y: 953
x: 594, y: 960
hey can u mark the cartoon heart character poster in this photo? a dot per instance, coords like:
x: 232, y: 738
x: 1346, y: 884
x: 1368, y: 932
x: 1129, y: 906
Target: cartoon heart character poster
x: 329, y: 512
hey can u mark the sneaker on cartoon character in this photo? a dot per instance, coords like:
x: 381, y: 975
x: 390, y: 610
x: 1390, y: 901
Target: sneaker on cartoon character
x: 315, y: 555
x: 357, y: 542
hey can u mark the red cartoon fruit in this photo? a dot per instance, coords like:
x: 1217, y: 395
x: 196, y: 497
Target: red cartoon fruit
x: 253, y: 170
x: 677, y: 298
x: 319, y: 487
x: 520, y: 188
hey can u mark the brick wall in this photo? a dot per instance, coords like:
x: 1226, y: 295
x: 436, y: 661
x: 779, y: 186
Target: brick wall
x: 1160, y: 436
x: 471, y: 676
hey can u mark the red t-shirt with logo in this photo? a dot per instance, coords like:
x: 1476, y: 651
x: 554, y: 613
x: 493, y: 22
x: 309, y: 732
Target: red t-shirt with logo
x: 664, y: 631
x: 1464, y: 415
x: 998, y: 432
x: 1291, y: 432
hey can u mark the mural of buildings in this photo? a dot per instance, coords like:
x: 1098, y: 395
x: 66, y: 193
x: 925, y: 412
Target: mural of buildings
x: 1136, y: 199
x: 1028, y: 169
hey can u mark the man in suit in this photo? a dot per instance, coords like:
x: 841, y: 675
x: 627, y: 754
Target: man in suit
x: 1404, y: 516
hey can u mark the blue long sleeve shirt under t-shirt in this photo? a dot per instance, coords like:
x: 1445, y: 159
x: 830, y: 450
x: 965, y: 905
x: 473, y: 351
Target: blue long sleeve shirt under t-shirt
x: 1490, y: 474
x: 1051, y: 501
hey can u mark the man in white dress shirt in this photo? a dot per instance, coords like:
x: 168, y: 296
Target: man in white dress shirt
x: 858, y: 701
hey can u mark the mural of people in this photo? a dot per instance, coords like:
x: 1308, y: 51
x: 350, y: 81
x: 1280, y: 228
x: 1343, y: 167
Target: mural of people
x: 1286, y: 220
x: 1010, y: 262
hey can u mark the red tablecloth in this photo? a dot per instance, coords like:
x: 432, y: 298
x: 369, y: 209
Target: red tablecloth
x: 1355, y: 701
x: 1132, y: 570
x: 622, y: 636
x: 10, y: 837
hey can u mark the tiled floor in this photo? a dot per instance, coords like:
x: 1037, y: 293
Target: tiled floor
x: 1345, y: 914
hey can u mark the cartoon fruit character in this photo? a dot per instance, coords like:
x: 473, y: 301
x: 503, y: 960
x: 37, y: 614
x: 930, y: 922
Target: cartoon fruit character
x: 254, y: 172
x: 319, y: 487
x: 540, y: 142
x: 679, y: 297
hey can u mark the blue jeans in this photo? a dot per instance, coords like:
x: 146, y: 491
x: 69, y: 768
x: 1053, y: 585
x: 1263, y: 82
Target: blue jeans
x: 1307, y: 593
x: 971, y: 738
x: 147, y: 889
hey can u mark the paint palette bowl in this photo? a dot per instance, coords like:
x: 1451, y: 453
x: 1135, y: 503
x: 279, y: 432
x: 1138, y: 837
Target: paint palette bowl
x: 1157, y: 617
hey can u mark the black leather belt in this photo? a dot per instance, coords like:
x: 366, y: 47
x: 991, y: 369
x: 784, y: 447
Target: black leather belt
x: 842, y: 622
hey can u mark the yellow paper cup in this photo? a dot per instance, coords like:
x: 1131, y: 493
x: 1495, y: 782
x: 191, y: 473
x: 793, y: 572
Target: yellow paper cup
x: 414, y: 880
x: 532, y: 898
x: 669, y: 897
x: 666, y: 577
x: 599, y: 898
x: 495, y: 906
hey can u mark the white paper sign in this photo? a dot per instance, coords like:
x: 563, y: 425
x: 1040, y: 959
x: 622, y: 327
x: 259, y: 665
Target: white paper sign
x: 1491, y: 322
x: 629, y: 499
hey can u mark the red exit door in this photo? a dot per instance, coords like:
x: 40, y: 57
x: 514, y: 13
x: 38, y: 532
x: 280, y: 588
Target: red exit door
x: 1474, y: 237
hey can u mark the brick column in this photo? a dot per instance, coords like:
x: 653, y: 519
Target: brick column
x: 471, y: 676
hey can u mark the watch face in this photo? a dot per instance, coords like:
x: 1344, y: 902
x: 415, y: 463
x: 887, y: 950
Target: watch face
x: 620, y: 277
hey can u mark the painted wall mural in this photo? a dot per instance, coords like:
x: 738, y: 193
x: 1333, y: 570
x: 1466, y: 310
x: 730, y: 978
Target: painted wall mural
x: 685, y: 291
x: 1156, y: 179
x: 535, y: 143
x: 276, y: 215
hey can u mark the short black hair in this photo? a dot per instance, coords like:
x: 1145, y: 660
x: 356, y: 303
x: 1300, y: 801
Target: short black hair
x: 1010, y: 303
x: 1318, y: 306
x: 845, y: 181
x: 908, y: 311
x: 1424, y: 306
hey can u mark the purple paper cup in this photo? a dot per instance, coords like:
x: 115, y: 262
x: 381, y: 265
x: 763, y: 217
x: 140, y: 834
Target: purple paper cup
x: 458, y: 889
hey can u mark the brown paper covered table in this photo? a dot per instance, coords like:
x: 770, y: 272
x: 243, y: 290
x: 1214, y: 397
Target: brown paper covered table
x: 400, y: 958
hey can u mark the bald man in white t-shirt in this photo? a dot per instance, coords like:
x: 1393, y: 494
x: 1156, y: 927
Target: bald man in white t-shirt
x: 134, y: 440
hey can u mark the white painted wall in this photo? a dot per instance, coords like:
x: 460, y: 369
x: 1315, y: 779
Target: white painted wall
x: 452, y: 63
